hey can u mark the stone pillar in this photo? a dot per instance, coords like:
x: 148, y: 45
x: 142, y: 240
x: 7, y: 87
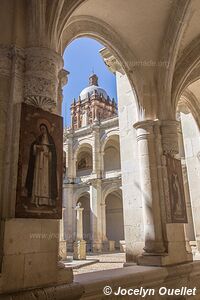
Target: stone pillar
x: 155, y: 139
x: 71, y: 164
x: 176, y: 243
x: 154, y: 244
x: 96, y: 151
x: 69, y: 230
x: 189, y: 228
x: 105, y: 241
x: 31, y: 260
x: 95, y: 205
x: 103, y: 220
x: 62, y: 240
x: 79, y: 244
x: 102, y: 164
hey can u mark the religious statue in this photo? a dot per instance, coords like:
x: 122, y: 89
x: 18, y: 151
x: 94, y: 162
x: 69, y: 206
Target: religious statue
x: 41, y: 179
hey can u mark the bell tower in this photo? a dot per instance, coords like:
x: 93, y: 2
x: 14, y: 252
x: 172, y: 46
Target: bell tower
x: 93, y: 104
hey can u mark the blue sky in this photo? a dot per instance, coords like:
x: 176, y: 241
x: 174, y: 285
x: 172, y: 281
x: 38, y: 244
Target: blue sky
x: 81, y: 57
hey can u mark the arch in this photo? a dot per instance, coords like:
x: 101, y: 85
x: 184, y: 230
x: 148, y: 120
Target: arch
x: 114, y: 186
x: 84, y: 199
x: 170, y: 49
x: 86, y: 148
x: 191, y: 166
x: 106, y: 137
x: 79, y: 193
x: 111, y: 153
x: 88, y: 26
x: 114, y: 217
x: 185, y: 69
x: 190, y: 100
x: 83, y: 160
x: 81, y: 143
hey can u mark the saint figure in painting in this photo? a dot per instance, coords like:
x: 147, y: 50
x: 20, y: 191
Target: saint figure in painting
x: 176, y: 194
x: 41, y: 179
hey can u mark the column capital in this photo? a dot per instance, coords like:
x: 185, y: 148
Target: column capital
x: 146, y: 129
x: 41, y: 77
x: 145, y: 124
x: 169, y: 133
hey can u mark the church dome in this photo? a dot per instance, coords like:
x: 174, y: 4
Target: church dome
x: 93, y: 88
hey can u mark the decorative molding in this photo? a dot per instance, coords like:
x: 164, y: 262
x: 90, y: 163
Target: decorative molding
x: 42, y: 77
x: 79, y: 26
x: 169, y: 136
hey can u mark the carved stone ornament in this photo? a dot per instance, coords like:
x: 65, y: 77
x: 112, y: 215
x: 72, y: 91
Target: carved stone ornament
x: 41, y: 77
x: 170, y: 137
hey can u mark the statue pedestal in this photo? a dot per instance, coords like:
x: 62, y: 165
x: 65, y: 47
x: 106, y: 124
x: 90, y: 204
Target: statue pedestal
x: 79, y: 250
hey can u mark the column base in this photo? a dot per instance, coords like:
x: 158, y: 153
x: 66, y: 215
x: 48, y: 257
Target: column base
x: 97, y: 246
x: 79, y: 250
x: 108, y: 246
x: 30, y: 257
x: 158, y: 260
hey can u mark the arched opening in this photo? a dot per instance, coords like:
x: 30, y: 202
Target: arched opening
x: 114, y: 217
x: 189, y: 145
x: 95, y: 138
x: 85, y: 204
x: 112, y: 154
x: 84, y: 163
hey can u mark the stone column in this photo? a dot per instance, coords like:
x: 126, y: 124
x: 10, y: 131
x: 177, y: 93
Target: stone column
x: 71, y: 164
x: 176, y: 243
x: 96, y: 151
x: 62, y: 240
x: 69, y: 232
x: 155, y: 140
x: 36, y: 242
x: 102, y: 164
x: 79, y: 244
x: 154, y: 244
x: 105, y: 241
x: 103, y: 220
x: 95, y: 205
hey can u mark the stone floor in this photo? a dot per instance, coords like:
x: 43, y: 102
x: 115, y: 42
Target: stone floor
x: 101, y: 261
x: 106, y: 261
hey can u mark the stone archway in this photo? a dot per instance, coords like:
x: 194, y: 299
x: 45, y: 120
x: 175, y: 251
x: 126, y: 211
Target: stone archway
x: 189, y: 146
x: 112, y: 154
x: 84, y: 160
x: 114, y: 217
x: 85, y: 204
